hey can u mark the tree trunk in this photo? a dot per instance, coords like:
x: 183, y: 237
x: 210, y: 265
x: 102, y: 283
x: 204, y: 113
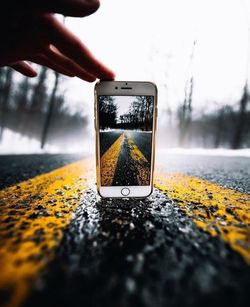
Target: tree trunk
x: 50, y: 112
x: 219, y: 128
x: 5, y: 97
x: 238, y: 135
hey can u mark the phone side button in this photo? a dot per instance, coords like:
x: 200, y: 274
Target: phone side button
x: 125, y: 191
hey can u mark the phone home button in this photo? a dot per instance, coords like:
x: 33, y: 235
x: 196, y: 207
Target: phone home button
x: 125, y: 191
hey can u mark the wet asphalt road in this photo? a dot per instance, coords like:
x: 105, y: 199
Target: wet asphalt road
x: 107, y: 138
x: 126, y: 169
x: 139, y: 252
x: 231, y: 172
x: 17, y: 168
x: 142, y: 141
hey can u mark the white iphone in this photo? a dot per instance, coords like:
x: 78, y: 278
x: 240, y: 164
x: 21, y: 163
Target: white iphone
x: 125, y: 123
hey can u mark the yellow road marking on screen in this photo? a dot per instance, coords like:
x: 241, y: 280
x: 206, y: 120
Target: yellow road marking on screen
x: 33, y: 215
x: 217, y: 210
x: 142, y: 164
x: 135, y: 152
x: 109, y: 161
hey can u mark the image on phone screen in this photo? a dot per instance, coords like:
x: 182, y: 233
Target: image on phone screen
x: 125, y: 128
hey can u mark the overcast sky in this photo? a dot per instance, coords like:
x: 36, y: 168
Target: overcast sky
x: 123, y: 104
x: 153, y: 40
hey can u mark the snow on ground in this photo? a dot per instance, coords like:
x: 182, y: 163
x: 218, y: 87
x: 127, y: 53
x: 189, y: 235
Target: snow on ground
x: 15, y: 143
x: 207, y: 152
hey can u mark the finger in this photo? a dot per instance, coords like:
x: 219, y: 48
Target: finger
x: 69, y: 45
x: 76, y: 8
x: 61, y: 60
x: 24, y: 68
x: 44, y: 61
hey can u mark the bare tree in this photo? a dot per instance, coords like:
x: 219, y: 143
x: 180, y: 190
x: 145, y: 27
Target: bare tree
x: 39, y: 91
x: 48, y: 118
x: 241, y: 120
x: 219, y: 126
x: 22, y: 93
x: 2, y: 81
x: 142, y: 110
x: 6, y: 84
x: 185, y: 110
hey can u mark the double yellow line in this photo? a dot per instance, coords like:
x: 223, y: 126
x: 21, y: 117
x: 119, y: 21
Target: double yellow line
x: 33, y: 216
x: 109, y: 161
x: 35, y: 213
x: 142, y: 164
x: 110, y: 158
x: 219, y: 211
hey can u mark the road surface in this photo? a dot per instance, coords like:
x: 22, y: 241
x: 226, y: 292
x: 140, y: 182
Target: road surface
x: 125, y: 158
x: 186, y: 245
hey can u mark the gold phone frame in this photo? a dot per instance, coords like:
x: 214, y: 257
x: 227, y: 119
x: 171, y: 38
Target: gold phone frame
x: 120, y: 84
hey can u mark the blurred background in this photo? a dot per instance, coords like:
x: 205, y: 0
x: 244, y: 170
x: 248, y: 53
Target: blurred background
x: 197, y: 52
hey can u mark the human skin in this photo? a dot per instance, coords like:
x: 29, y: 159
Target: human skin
x: 29, y: 31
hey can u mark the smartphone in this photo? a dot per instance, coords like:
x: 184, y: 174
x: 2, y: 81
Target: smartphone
x: 125, y: 123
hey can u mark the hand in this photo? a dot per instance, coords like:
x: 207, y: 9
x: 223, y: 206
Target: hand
x: 30, y: 32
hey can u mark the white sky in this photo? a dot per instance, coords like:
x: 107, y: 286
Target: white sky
x: 153, y: 39
x: 123, y: 103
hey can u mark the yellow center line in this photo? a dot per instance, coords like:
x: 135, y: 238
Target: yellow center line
x: 220, y: 211
x: 33, y: 216
x: 135, y: 152
x: 109, y: 161
x: 142, y: 164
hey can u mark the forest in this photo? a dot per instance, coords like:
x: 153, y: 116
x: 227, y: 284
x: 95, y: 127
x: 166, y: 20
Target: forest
x: 139, y: 115
x: 38, y: 111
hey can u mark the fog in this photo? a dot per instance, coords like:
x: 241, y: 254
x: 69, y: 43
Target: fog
x: 197, y: 52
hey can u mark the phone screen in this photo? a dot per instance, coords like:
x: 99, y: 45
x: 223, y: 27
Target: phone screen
x: 125, y: 138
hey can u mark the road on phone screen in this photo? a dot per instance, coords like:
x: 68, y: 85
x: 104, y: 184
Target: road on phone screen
x: 125, y: 158
x: 188, y: 244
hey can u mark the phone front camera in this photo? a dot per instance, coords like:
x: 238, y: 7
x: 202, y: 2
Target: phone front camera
x: 116, y: 87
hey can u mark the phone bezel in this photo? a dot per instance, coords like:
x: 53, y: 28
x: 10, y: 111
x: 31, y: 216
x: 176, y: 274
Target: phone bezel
x: 116, y: 88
